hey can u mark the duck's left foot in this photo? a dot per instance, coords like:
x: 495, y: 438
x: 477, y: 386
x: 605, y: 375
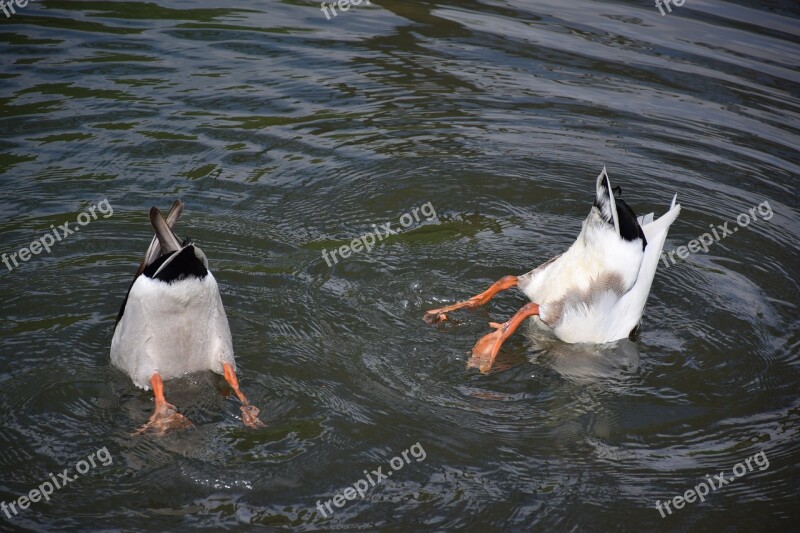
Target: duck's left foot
x: 164, y: 420
x: 435, y: 316
x: 166, y: 417
x: 250, y: 416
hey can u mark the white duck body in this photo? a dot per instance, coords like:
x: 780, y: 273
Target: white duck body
x: 172, y: 321
x: 173, y: 329
x: 595, y: 292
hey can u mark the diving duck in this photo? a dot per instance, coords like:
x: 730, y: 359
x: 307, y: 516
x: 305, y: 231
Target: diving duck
x: 594, y: 292
x: 172, y: 323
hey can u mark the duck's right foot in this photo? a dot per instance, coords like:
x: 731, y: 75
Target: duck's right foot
x: 485, y: 350
x: 250, y: 416
x: 434, y: 317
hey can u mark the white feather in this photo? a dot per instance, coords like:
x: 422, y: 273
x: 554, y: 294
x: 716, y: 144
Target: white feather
x: 593, y: 312
x: 628, y: 311
x: 173, y: 329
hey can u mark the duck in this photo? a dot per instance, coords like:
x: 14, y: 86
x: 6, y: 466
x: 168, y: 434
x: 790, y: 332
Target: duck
x: 595, y: 292
x: 172, y: 323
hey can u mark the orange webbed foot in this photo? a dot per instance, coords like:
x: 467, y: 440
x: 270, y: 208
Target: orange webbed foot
x: 486, y: 349
x: 434, y: 317
x: 249, y: 412
x: 164, y: 420
x: 250, y: 416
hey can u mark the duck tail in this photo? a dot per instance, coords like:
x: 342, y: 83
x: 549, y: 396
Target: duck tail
x: 604, y: 200
x: 167, y: 240
x: 154, y: 250
x: 632, y: 304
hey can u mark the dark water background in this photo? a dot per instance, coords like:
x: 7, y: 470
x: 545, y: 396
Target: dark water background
x: 287, y: 134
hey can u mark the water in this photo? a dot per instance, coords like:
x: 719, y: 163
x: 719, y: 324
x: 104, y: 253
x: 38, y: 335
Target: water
x: 287, y: 134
